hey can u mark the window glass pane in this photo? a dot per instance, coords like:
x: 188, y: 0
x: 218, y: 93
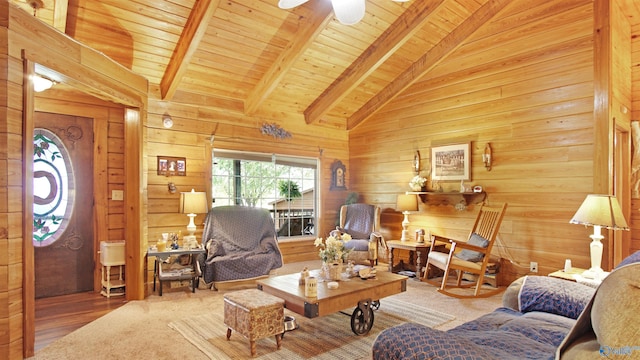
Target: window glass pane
x: 52, y: 202
x: 284, y: 185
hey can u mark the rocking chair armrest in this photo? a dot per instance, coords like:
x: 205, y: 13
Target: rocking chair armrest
x: 441, y: 240
x: 465, y: 245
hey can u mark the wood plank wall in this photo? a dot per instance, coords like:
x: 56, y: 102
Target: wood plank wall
x: 524, y: 84
x: 77, y: 64
x: 190, y: 137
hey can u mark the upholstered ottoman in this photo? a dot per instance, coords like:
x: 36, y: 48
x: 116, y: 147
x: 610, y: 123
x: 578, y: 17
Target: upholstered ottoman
x: 255, y: 315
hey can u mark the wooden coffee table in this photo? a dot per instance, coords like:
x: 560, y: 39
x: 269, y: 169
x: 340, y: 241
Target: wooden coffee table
x: 364, y: 295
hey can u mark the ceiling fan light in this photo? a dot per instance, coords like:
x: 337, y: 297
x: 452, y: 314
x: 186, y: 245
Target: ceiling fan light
x: 348, y: 12
x: 41, y: 84
x: 289, y: 4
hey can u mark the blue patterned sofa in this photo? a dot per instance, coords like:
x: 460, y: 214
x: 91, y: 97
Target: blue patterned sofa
x: 241, y: 244
x: 541, y: 318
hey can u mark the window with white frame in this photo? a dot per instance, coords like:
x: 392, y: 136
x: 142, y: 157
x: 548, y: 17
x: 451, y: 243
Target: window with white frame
x: 284, y: 185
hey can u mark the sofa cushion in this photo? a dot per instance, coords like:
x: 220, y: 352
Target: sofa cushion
x: 471, y: 255
x: 633, y: 258
x: 501, y: 334
x: 554, y: 296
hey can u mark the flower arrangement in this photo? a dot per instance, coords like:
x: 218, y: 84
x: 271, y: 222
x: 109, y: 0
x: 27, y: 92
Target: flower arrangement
x: 417, y: 183
x: 333, y: 248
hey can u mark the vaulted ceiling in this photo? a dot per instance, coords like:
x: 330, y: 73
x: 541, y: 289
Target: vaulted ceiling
x: 251, y: 57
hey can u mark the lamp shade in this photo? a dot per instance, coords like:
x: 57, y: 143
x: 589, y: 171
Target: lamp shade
x: 407, y: 202
x: 193, y: 202
x: 600, y: 210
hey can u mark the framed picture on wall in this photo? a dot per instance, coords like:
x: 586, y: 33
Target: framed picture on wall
x: 451, y: 162
x: 338, y: 171
x: 169, y: 166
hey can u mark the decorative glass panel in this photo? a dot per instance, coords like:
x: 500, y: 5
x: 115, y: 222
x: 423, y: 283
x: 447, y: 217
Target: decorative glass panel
x: 52, y: 180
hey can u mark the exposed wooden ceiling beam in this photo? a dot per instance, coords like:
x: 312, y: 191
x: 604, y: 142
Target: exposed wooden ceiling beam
x: 60, y: 8
x: 428, y: 61
x: 187, y: 45
x: 375, y: 55
x: 310, y: 28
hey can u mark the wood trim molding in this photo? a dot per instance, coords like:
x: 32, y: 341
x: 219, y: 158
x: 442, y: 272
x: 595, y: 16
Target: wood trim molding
x: 28, y: 262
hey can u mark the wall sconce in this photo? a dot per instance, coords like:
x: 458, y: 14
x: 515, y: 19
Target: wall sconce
x: 41, y: 83
x: 486, y: 157
x: 167, y: 121
x: 172, y: 188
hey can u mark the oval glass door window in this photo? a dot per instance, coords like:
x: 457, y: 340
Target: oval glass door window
x: 52, y: 188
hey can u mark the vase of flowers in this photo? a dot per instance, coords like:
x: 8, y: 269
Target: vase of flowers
x: 333, y: 254
x: 417, y: 183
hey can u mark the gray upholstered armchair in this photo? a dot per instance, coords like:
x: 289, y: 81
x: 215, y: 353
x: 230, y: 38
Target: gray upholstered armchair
x: 241, y: 244
x: 362, y: 222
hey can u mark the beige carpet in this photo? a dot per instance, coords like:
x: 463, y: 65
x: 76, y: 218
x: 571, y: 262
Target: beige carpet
x: 327, y: 337
x: 139, y: 329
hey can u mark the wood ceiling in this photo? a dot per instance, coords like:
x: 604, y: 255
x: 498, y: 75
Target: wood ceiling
x: 251, y: 57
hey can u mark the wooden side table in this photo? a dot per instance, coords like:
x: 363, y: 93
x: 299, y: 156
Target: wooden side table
x: 161, y: 276
x: 561, y: 274
x: 420, y: 249
x: 575, y: 274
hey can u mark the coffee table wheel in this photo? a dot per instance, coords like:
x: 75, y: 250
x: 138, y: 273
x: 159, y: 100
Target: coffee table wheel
x: 362, y: 318
x: 375, y: 304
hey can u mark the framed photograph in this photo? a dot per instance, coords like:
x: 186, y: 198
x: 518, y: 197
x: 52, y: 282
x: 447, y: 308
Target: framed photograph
x: 172, y: 166
x: 451, y: 162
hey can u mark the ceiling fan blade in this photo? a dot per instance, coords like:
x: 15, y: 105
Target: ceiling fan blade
x: 288, y: 4
x: 348, y: 12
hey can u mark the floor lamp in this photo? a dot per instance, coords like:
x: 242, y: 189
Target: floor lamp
x: 599, y: 211
x: 192, y: 203
x: 406, y: 203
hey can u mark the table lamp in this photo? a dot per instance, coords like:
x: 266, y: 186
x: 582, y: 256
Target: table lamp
x: 406, y: 203
x: 192, y: 203
x: 599, y: 211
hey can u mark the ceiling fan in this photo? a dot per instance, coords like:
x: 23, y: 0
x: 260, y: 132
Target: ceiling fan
x: 348, y: 12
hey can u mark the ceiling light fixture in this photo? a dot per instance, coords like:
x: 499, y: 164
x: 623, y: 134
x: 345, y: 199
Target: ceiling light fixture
x: 41, y: 83
x: 348, y: 12
x: 167, y: 121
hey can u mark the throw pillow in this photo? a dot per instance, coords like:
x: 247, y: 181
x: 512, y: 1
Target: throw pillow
x: 472, y: 255
x: 554, y: 296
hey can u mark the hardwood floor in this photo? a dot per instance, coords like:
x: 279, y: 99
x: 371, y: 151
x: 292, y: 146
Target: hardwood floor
x: 60, y: 315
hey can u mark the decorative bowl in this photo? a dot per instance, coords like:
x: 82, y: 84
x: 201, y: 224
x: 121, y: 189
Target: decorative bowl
x: 290, y: 323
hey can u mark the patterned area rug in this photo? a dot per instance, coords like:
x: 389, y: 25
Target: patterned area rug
x: 328, y: 337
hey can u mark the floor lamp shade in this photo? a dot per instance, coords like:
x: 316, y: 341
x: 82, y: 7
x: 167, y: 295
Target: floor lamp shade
x: 599, y: 211
x: 406, y: 203
x: 193, y: 203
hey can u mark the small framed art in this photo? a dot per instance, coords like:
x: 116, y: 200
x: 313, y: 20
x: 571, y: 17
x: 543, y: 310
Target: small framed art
x: 172, y: 166
x: 338, y: 171
x: 451, y: 162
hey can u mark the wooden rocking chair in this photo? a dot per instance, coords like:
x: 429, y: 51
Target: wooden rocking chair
x: 474, y: 256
